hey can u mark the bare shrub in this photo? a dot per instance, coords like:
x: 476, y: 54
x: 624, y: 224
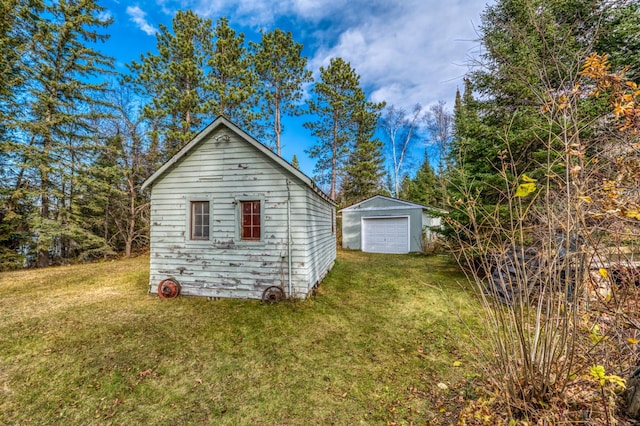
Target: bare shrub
x: 555, y: 259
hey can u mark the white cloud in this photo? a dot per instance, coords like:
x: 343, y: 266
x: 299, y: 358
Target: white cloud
x: 251, y: 13
x: 415, y: 53
x: 317, y: 10
x: 138, y: 16
x: 261, y: 13
x: 406, y: 51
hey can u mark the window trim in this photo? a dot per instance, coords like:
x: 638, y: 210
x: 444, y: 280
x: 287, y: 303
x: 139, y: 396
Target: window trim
x: 193, y: 226
x: 238, y: 200
x: 252, y: 214
x: 189, y: 220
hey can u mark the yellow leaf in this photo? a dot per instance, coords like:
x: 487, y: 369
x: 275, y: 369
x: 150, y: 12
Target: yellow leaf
x: 616, y: 380
x: 525, y: 189
x: 632, y: 214
x: 632, y: 341
x: 586, y: 199
x: 597, y: 373
x: 603, y: 273
x: 457, y: 363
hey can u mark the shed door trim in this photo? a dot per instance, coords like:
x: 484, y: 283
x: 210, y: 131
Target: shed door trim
x: 363, y: 234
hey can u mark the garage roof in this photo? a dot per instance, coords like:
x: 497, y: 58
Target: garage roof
x: 397, y: 204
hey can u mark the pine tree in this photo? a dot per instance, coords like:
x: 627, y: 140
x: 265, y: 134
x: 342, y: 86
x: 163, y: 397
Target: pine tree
x: 365, y: 166
x: 16, y: 30
x: 404, y: 187
x: 176, y: 82
x: 532, y: 49
x: 424, y: 188
x: 474, y: 149
x: 17, y: 23
x: 60, y: 96
x: 337, y: 100
x: 295, y: 163
x: 232, y: 79
x: 519, y: 42
x: 620, y: 37
x: 281, y: 69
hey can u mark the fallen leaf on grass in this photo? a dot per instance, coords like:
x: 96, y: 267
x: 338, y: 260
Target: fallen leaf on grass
x: 144, y: 373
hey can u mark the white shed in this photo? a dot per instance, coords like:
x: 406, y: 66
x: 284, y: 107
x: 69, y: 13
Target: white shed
x: 229, y: 218
x: 388, y: 225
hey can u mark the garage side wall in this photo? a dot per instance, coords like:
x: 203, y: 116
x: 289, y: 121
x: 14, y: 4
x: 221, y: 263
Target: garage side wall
x: 351, y: 232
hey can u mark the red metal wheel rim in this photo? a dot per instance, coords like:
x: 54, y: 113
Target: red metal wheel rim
x: 168, y: 288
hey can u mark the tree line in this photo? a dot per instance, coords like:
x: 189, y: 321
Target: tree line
x: 77, y: 138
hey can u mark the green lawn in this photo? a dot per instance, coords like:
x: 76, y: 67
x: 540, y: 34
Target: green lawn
x: 86, y: 344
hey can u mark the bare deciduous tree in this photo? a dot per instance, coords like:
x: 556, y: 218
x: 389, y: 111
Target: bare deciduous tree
x: 126, y: 159
x: 401, y: 131
x: 440, y: 126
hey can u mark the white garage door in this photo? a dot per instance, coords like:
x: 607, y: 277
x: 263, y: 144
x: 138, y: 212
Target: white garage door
x: 385, y: 235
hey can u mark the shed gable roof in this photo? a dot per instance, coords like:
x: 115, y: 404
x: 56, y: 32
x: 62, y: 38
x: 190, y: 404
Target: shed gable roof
x: 394, y: 204
x: 222, y: 121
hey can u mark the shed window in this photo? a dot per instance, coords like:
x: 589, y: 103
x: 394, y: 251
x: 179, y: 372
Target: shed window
x: 250, y: 212
x: 199, y: 220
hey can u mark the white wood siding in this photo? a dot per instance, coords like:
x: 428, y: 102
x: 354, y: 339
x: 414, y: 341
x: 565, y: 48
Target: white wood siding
x: 223, y: 173
x: 320, y: 238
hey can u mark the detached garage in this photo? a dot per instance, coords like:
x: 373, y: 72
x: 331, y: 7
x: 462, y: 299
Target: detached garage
x: 387, y: 225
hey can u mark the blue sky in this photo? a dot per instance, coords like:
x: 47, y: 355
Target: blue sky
x: 405, y: 51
